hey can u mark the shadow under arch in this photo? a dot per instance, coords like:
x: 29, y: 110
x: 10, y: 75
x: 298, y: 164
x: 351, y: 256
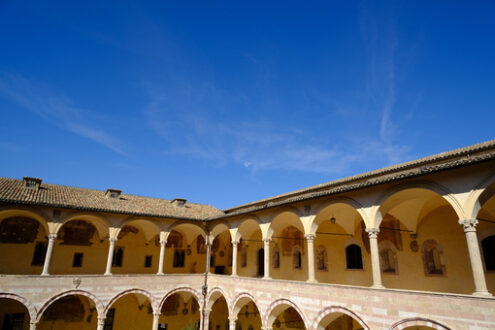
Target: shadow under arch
x: 279, y: 306
x: 219, y: 228
x: 25, y: 302
x: 418, y: 321
x: 98, y: 222
x: 147, y: 227
x: 337, y: 309
x: 190, y: 290
x: 145, y: 293
x: 434, y: 188
x: 275, y: 219
x: 10, y: 213
x: 91, y: 297
x: 479, y: 196
x: 348, y: 206
x: 215, y: 294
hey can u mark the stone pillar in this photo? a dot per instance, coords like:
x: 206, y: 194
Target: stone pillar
x: 469, y: 226
x: 48, y: 256
x: 375, y: 257
x: 267, y: 257
x: 163, y: 242
x: 208, y: 252
x: 311, y: 257
x: 101, y: 323
x: 156, y: 321
x: 234, y: 258
x: 206, y: 319
x: 33, y: 325
x: 232, y: 323
x: 111, y: 248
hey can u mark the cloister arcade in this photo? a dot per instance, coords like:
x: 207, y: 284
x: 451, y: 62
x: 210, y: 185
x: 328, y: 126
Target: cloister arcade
x: 306, y: 264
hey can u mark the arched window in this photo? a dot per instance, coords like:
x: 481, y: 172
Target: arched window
x: 432, y: 258
x: 353, y: 257
x: 276, y: 257
x: 321, y: 258
x: 296, y: 257
x: 488, y: 246
x: 388, y: 258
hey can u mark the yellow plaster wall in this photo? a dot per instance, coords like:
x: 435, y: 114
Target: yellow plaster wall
x: 128, y: 314
x: 219, y: 315
x: 252, y: 319
x: 181, y: 321
x: 135, y: 249
x: 225, y: 246
x: 254, y: 243
x: 88, y: 322
x: 16, y: 258
x: 10, y: 306
x: 194, y: 262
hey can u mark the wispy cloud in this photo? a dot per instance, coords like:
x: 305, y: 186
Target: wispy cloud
x: 56, y: 109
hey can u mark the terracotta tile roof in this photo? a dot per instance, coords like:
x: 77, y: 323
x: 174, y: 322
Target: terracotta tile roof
x: 14, y: 191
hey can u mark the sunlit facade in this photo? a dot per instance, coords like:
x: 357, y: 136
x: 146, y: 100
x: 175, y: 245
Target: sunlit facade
x: 411, y: 246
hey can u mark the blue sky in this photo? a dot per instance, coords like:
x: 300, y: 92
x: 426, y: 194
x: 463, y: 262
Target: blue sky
x: 224, y: 103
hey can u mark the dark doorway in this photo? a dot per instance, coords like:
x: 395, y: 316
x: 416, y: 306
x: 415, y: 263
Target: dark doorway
x: 261, y: 262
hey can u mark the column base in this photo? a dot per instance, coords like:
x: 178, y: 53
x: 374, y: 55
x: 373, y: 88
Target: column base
x: 160, y: 273
x: 107, y: 274
x: 482, y: 294
x: 267, y: 278
x: 377, y: 286
x: 311, y: 281
x: 45, y: 274
x: 234, y: 275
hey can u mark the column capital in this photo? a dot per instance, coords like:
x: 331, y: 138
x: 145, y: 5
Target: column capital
x: 163, y: 241
x: 373, y: 232
x: 234, y: 243
x: 309, y: 237
x: 113, y: 239
x: 101, y: 320
x: 232, y: 319
x: 52, y: 237
x: 469, y: 224
x: 157, y: 314
x: 267, y: 240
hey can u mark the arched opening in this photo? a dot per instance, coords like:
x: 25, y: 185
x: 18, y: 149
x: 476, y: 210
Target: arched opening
x: 69, y: 312
x: 486, y: 234
x: 221, y: 252
x: 424, y: 241
x: 337, y: 226
x: 339, y: 321
x: 353, y: 257
x: 247, y: 314
x: 23, y: 242
x: 185, y: 251
x: 219, y: 315
x: 287, y: 235
x: 80, y: 248
x: 288, y: 318
x: 248, y: 248
x: 180, y: 311
x: 132, y: 310
x: 13, y: 315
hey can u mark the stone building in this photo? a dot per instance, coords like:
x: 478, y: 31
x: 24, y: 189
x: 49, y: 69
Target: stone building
x: 410, y: 246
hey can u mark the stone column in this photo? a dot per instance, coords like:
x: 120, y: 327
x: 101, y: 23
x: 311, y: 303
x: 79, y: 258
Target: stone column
x: 232, y: 323
x: 206, y: 318
x: 33, y: 325
x: 469, y: 226
x: 163, y: 242
x: 111, y: 248
x: 234, y: 258
x: 101, y: 323
x: 156, y: 321
x: 311, y: 257
x: 48, y: 256
x: 267, y: 257
x: 208, y: 252
x: 375, y: 257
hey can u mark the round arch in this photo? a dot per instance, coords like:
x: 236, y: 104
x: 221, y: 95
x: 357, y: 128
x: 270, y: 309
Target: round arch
x: 215, y: 294
x: 98, y: 304
x: 193, y: 292
x: 9, y: 213
x: 296, y: 222
x: 337, y: 309
x: 131, y: 291
x: 443, y: 192
x: 148, y: 228
x: 26, y: 303
x: 240, y: 301
x: 98, y: 222
x: 247, y: 227
x: 277, y: 307
x: 349, y: 205
x: 418, y: 321
x: 479, y: 196
x: 219, y: 228
x: 193, y: 229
